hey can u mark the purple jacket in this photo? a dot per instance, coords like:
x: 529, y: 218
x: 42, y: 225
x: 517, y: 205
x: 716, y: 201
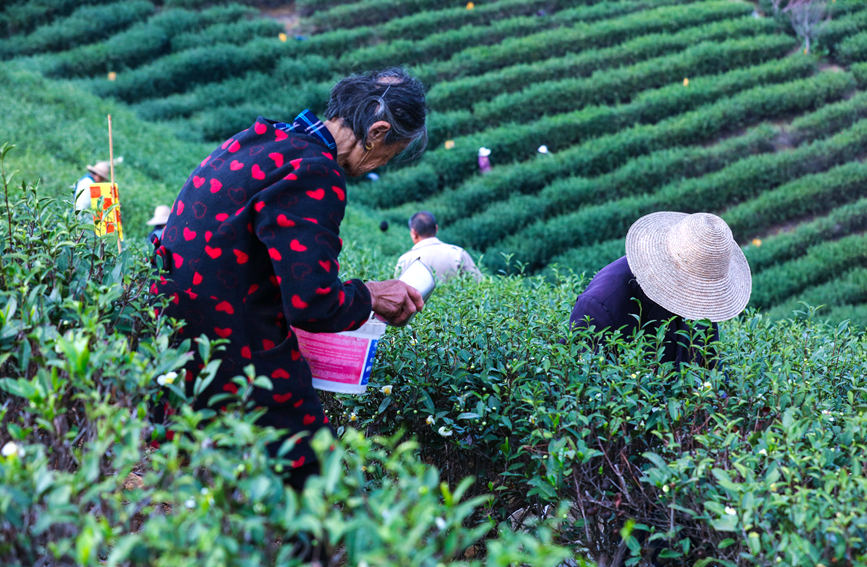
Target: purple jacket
x: 251, y: 248
x: 614, y: 300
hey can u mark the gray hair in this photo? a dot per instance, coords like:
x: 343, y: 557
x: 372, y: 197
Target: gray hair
x: 390, y: 95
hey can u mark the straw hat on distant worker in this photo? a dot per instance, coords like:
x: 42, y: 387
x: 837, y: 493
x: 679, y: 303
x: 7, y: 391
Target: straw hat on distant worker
x: 689, y: 264
x: 102, y: 169
x: 677, y: 267
x: 161, y: 216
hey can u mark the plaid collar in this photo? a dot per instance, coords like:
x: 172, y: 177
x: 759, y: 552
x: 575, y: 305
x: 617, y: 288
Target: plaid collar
x: 309, y: 124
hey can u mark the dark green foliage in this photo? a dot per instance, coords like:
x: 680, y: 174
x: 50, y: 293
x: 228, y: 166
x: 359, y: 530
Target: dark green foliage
x: 537, y: 419
x: 456, y: 93
x: 544, y: 45
x: 175, y: 72
x: 82, y: 357
x: 640, y: 175
x: 850, y: 288
x: 138, y: 44
x: 853, y: 49
x: 819, y: 264
x: 784, y: 246
x: 633, y: 123
x: 22, y: 16
x: 814, y: 194
x: 539, y: 242
x: 87, y: 24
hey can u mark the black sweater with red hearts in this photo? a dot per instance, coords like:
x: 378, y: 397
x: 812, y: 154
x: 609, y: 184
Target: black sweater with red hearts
x: 251, y: 248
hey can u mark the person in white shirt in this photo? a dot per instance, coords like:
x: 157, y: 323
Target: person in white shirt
x: 96, y: 173
x: 444, y: 260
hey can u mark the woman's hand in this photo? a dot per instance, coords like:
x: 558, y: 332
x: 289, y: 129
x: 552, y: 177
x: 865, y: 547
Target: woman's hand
x: 394, y: 300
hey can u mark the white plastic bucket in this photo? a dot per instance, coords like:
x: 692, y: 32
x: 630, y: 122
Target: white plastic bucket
x: 341, y: 362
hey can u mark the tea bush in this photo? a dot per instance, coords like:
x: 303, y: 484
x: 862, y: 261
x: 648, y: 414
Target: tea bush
x: 489, y: 381
x: 86, y: 24
x: 543, y: 45
x: 612, y: 134
x: 787, y: 245
x: 538, y: 242
x: 447, y: 95
x: 137, y: 44
x: 83, y: 358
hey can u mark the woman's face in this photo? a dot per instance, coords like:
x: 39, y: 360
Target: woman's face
x: 361, y: 161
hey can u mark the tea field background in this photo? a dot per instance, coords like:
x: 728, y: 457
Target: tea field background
x: 496, y: 437
x: 643, y: 105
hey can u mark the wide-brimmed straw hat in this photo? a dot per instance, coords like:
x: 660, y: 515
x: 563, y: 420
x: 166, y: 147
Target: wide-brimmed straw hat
x: 161, y: 215
x: 101, y: 168
x: 689, y: 264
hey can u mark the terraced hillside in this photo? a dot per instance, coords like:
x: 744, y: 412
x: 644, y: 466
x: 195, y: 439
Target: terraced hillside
x: 644, y: 105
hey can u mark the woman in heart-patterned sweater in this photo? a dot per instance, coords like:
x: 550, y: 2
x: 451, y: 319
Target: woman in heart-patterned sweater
x: 251, y: 246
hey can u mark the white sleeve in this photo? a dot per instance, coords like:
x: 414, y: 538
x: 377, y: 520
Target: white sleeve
x: 82, y: 194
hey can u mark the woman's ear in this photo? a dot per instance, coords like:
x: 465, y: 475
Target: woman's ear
x: 377, y: 131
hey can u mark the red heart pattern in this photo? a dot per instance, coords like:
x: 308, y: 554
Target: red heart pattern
x: 225, y: 307
x: 277, y: 157
x: 246, y: 209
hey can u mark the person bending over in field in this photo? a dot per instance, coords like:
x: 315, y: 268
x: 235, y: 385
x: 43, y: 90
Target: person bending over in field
x: 251, y: 245
x: 678, y: 267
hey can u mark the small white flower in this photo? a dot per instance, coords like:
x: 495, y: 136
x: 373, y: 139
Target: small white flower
x: 441, y: 524
x: 386, y: 390
x: 730, y: 511
x: 430, y: 420
x: 532, y: 420
x: 444, y: 432
x: 707, y: 386
x: 11, y: 449
x: 665, y: 488
x: 190, y: 503
x: 763, y: 451
x: 353, y: 417
x: 168, y: 378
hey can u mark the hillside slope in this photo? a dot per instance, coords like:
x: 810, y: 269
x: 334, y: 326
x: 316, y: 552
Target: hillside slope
x: 643, y: 105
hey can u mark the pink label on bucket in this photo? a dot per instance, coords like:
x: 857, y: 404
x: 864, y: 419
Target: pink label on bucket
x: 337, y: 358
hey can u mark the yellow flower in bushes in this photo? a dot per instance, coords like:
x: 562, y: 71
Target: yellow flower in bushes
x: 386, y: 389
x: 430, y: 420
x: 282, y: 37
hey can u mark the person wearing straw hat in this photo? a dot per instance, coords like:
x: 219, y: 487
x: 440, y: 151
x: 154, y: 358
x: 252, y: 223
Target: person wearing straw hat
x: 96, y: 173
x: 158, y: 222
x: 678, y: 267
